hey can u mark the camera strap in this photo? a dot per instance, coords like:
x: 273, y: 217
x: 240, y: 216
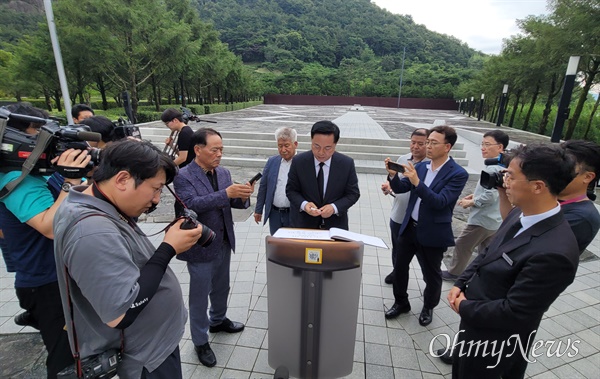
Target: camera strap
x: 76, y: 354
x: 43, y: 141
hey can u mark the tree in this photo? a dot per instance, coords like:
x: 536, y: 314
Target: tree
x: 578, y: 19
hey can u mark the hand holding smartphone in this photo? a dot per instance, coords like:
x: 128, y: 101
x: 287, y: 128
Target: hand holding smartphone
x: 396, y: 167
x: 255, y: 178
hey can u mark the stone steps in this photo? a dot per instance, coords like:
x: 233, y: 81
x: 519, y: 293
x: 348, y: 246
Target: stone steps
x: 245, y: 149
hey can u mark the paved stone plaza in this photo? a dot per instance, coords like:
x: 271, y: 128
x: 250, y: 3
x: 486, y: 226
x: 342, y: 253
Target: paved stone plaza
x: 397, y: 348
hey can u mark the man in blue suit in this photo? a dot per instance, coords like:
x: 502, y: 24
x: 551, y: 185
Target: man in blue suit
x: 207, y: 189
x: 271, y: 192
x: 427, y: 227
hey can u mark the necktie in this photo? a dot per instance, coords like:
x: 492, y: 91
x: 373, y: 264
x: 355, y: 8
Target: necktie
x: 510, y: 234
x: 321, y: 180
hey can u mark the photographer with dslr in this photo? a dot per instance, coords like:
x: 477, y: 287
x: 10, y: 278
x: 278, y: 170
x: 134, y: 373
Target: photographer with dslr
x: 117, y: 289
x: 26, y: 219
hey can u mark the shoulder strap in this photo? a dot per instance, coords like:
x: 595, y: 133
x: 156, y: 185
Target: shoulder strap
x: 43, y: 141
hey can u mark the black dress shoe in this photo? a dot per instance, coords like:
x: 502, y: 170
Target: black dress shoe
x: 206, y: 355
x: 26, y: 319
x: 397, y: 309
x: 227, y: 326
x: 445, y: 355
x: 426, y: 316
x: 389, y: 279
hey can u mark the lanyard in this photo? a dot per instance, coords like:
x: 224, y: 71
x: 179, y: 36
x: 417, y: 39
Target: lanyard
x: 578, y: 198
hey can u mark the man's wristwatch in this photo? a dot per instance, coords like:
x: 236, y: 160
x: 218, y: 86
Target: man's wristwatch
x: 66, y: 186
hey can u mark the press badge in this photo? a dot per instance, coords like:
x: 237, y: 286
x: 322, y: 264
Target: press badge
x: 313, y: 256
x: 507, y: 259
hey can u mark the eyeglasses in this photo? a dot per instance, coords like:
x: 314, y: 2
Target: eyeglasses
x: 508, y: 178
x: 434, y: 143
x: 487, y: 144
x: 157, y: 190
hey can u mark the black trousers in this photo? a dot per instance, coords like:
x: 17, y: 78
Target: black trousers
x: 470, y: 363
x: 46, y: 308
x: 394, y: 230
x: 169, y: 369
x: 430, y: 259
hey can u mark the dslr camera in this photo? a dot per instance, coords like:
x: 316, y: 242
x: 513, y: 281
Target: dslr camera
x: 191, y: 222
x: 100, y: 366
x: 17, y: 146
x: 496, y: 179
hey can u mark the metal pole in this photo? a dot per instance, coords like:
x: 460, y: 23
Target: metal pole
x: 471, y: 106
x: 62, y: 78
x: 480, y: 108
x: 563, y: 105
x: 502, y: 105
x: 401, y: 73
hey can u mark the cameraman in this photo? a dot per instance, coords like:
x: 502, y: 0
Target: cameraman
x: 174, y: 120
x: 26, y: 216
x: 103, y: 126
x: 115, y: 285
x: 80, y: 112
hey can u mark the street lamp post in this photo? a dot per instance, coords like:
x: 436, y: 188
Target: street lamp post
x: 502, y: 105
x: 471, y: 106
x: 401, y: 73
x: 563, y: 106
x: 62, y: 78
x: 480, y: 108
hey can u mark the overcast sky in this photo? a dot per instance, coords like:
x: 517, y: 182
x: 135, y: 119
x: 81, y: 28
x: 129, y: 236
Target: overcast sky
x: 482, y: 24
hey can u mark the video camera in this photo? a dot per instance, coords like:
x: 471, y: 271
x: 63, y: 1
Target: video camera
x: 496, y: 179
x: 188, y: 115
x: 34, y: 153
x: 124, y: 129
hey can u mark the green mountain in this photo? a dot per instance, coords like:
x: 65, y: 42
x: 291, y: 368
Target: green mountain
x: 19, y: 17
x: 326, y: 32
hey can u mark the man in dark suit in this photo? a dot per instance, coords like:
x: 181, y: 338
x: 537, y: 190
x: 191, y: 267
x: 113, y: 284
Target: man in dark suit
x: 427, y: 227
x: 503, y: 294
x: 322, y: 183
x: 206, y: 188
x: 271, y: 192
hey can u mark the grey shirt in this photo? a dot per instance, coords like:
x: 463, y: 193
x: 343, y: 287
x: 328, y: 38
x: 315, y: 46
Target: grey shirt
x: 401, y: 200
x: 104, y: 254
x: 485, y: 211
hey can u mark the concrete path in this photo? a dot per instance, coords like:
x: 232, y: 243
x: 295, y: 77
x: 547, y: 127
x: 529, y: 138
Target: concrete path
x: 397, y: 348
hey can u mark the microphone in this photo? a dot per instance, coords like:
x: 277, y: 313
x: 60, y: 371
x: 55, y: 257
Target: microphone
x: 89, y: 136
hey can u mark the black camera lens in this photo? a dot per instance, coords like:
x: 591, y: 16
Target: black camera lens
x: 207, y: 237
x: 491, y: 181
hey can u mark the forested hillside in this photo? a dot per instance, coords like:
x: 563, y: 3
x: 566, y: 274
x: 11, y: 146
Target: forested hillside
x: 339, y: 47
x: 325, y: 31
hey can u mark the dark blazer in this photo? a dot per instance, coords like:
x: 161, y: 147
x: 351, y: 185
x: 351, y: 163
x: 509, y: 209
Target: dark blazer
x: 213, y: 208
x: 512, y: 284
x: 342, y: 190
x: 437, y: 202
x: 266, y: 189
